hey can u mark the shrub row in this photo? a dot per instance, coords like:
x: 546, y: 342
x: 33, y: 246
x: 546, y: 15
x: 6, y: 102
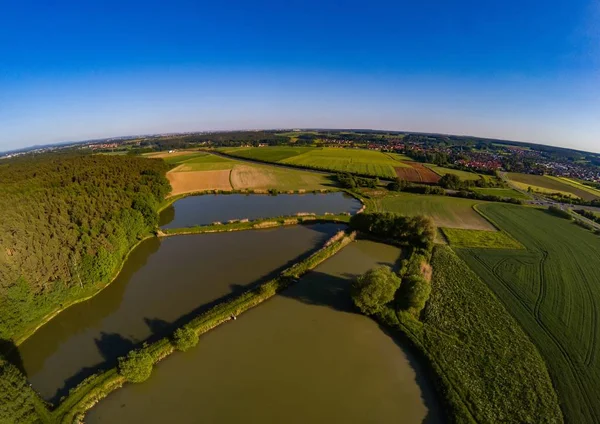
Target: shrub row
x: 244, y: 224
x: 406, y: 187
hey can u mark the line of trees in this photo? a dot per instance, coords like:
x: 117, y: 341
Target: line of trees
x: 351, y: 182
x: 67, y: 223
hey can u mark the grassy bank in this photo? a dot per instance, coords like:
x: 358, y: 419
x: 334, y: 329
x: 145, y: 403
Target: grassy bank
x: 96, y: 387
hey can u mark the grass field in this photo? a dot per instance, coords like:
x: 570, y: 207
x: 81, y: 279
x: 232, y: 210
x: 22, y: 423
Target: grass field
x: 448, y: 212
x: 463, y: 175
x: 210, y: 172
x: 205, y: 162
x: 360, y: 161
x: 547, y: 184
x: 502, y: 192
x: 552, y: 290
x: 457, y: 237
x: 494, y: 368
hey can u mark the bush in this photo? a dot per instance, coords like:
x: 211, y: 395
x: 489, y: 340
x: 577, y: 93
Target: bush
x: 185, y: 338
x: 451, y: 181
x: 561, y: 213
x: 414, y: 294
x: 372, y: 290
x: 136, y: 367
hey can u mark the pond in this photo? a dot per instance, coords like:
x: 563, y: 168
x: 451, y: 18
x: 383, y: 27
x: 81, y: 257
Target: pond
x: 162, y: 283
x: 303, y: 356
x: 206, y: 209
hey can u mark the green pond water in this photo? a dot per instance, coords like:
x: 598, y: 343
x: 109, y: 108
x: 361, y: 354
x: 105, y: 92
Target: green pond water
x: 304, y: 356
x: 163, y: 283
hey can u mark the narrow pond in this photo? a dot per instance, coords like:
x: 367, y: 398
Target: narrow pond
x: 301, y: 357
x: 161, y: 284
x: 206, y: 209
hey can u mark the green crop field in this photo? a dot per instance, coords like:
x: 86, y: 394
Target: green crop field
x: 458, y: 237
x: 205, y: 162
x: 502, y: 192
x: 548, y: 184
x: 269, y: 154
x: 448, y: 212
x: 463, y: 175
x: 553, y: 290
x: 494, y: 368
x: 360, y: 161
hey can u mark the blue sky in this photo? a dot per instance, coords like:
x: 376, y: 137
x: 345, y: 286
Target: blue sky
x: 523, y: 70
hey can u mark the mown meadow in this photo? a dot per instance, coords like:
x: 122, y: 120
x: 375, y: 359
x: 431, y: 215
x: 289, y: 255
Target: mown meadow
x: 552, y: 290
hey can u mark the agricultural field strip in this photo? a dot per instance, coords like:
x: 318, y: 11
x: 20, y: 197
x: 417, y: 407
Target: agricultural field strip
x: 543, y: 326
x: 547, y: 184
x: 593, y: 191
x: 446, y: 211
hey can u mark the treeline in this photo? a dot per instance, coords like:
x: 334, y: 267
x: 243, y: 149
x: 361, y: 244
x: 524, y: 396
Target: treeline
x: 234, y: 138
x: 589, y: 215
x: 460, y: 190
x: 351, y: 182
x: 416, y: 232
x: 562, y: 198
x: 67, y: 223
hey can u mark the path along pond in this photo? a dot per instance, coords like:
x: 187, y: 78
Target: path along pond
x: 303, y: 356
x: 209, y: 208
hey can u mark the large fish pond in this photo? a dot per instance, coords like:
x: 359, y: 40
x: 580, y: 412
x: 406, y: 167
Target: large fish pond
x: 206, y: 209
x: 304, y: 356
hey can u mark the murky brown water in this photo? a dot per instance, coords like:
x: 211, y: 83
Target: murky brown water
x: 206, y: 209
x: 162, y: 281
x: 303, y: 357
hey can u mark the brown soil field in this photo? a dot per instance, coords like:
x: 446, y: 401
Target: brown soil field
x: 417, y: 173
x: 187, y: 182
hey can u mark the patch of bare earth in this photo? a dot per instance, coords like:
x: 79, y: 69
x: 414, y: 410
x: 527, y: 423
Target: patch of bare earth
x: 417, y: 173
x: 248, y: 177
x: 187, y: 182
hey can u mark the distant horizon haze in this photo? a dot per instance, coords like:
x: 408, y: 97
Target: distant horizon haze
x: 517, y: 71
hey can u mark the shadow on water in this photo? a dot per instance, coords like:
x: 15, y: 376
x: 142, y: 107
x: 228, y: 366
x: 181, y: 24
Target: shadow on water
x: 113, y: 345
x: 9, y: 352
x: 424, y: 376
x: 321, y: 289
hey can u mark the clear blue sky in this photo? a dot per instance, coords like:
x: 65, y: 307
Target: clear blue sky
x: 524, y: 70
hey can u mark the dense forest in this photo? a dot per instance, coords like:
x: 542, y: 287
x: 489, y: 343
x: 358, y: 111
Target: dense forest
x: 67, y: 222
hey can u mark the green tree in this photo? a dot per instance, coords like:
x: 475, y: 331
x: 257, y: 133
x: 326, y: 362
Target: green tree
x: 185, y: 338
x: 372, y: 290
x: 451, y: 181
x: 136, y: 367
